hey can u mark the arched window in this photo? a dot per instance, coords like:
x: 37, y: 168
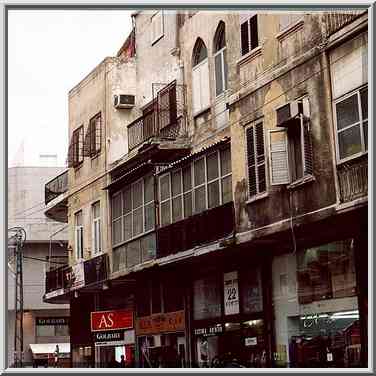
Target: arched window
x: 200, y: 52
x: 200, y: 77
x: 220, y: 59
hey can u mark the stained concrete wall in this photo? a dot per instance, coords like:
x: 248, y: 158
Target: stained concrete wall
x: 285, y: 67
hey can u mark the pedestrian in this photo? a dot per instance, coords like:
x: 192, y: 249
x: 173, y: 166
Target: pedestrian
x: 122, y: 361
x: 56, y: 356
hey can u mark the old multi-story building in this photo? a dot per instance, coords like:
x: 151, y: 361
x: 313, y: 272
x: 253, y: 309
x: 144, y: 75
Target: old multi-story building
x: 44, y: 325
x: 217, y: 196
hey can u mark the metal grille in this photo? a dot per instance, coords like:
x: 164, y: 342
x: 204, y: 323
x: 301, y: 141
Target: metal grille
x: 56, y: 187
x: 334, y: 21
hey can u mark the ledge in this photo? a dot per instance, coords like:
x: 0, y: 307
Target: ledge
x: 249, y: 56
x: 298, y: 25
x: 257, y: 198
x: 300, y: 182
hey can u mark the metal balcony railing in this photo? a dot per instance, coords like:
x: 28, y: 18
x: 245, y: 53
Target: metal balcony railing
x: 196, y: 230
x: 56, y: 278
x: 353, y: 179
x: 56, y: 187
x: 164, y: 117
x: 336, y: 20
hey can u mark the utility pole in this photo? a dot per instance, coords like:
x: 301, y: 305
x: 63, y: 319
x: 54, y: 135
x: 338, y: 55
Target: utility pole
x: 18, y: 240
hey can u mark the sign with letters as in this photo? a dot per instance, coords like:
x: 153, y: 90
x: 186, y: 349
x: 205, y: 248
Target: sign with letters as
x: 111, y: 320
x: 231, y: 293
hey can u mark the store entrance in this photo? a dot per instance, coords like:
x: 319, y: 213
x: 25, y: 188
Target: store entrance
x: 115, y: 356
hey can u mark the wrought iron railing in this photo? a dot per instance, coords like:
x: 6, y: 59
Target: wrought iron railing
x: 196, y: 230
x: 165, y: 116
x: 336, y: 20
x: 56, y: 278
x: 56, y: 187
x: 353, y: 179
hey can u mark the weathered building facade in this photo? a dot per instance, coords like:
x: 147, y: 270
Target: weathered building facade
x: 212, y: 212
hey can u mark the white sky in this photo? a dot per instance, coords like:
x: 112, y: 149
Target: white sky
x: 49, y: 52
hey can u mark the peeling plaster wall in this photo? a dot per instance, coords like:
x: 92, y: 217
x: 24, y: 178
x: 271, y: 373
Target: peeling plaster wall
x: 265, y: 81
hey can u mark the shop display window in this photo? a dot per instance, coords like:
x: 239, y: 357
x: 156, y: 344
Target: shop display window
x: 206, y: 298
x: 251, y: 291
x: 316, y: 307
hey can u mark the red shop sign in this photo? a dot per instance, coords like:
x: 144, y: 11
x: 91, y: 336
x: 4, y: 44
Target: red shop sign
x: 111, y: 320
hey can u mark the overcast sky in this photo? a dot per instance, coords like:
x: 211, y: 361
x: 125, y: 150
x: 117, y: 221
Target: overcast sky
x: 49, y: 52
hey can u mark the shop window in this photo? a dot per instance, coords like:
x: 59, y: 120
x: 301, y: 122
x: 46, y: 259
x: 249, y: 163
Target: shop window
x: 96, y: 228
x: 201, y: 185
x: 317, y: 323
x: 290, y: 144
x: 52, y: 330
x: 249, y: 35
x: 251, y: 291
x: 200, y: 78
x: 256, y: 159
x: 352, y: 124
x: 157, y: 27
x: 220, y: 62
x: 206, y: 298
x: 79, y: 235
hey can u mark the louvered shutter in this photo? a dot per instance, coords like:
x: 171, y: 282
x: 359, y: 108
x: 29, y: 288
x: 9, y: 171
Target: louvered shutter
x: 80, y: 141
x: 244, y: 37
x: 253, y: 32
x: 86, y: 150
x: 205, y: 87
x: 278, y: 149
x: 98, y: 133
x: 196, y: 89
x: 70, y: 156
x: 173, y: 104
x: 307, y: 148
x: 260, y: 158
x: 252, y: 180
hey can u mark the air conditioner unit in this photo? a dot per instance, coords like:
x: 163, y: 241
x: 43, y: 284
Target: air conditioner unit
x: 124, y: 101
x: 287, y: 113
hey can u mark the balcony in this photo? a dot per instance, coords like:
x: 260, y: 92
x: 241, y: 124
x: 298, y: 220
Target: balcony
x: 62, y: 280
x: 334, y: 21
x: 55, y: 198
x: 205, y: 227
x: 163, y: 122
x: 353, y: 179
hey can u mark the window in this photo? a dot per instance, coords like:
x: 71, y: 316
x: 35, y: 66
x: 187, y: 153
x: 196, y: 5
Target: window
x: 93, y: 137
x: 96, y: 228
x: 203, y: 184
x: 75, y: 152
x: 52, y: 330
x: 290, y: 144
x: 256, y: 159
x: 200, y: 78
x: 249, y: 35
x: 220, y: 60
x: 351, y: 115
x: 288, y: 19
x: 133, y: 210
x: 79, y: 237
x: 156, y: 26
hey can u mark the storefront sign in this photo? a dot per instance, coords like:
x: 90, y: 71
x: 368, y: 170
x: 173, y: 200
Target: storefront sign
x: 250, y: 341
x: 209, y: 331
x: 161, y: 323
x: 111, y: 320
x: 231, y: 293
x: 113, y: 335
x: 52, y: 321
x: 74, y: 277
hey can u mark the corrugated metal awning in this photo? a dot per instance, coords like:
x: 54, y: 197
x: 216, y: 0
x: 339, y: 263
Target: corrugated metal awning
x: 49, y: 348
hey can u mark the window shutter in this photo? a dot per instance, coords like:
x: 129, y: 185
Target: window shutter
x: 70, y: 157
x: 254, y: 32
x: 279, y: 168
x: 196, y: 89
x: 98, y: 133
x: 244, y: 36
x: 252, y: 180
x: 86, y: 150
x: 307, y: 149
x: 173, y: 105
x: 205, y: 88
x: 260, y: 155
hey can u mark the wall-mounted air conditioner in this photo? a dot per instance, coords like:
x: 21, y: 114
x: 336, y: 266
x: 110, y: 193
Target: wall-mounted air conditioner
x: 290, y: 111
x: 124, y: 101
